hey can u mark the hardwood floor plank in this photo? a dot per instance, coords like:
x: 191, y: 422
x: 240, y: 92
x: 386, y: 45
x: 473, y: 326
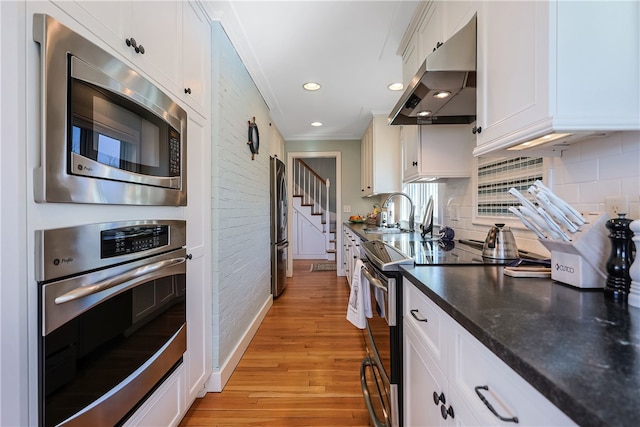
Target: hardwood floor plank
x: 302, y: 368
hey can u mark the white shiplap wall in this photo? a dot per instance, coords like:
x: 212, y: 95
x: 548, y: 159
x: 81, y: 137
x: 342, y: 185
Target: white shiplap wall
x: 240, y: 202
x: 584, y: 176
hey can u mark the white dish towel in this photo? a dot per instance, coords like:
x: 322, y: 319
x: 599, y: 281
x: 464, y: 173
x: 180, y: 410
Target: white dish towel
x: 359, y: 307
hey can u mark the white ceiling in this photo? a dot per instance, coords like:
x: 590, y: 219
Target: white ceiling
x: 350, y: 47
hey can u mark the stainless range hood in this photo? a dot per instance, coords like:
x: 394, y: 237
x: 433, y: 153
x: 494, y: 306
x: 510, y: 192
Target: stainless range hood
x: 450, y: 68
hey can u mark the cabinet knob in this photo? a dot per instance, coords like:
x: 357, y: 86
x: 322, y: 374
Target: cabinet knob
x: 131, y: 42
x: 140, y: 50
x: 444, y: 412
x: 414, y: 163
x: 476, y: 129
x: 490, y: 407
x: 437, y: 46
x: 187, y: 90
x: 439, y: 398
x: 189, y: 256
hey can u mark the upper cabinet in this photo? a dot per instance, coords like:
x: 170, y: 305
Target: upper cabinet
x: 380, y: 158
x: 429, y: 33
x: 436, y: 152
x: 555, y: 67
x: 168, y: 40
x: 196, y: 42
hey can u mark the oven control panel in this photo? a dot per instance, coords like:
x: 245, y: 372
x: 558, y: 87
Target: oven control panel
x: 129, y: 240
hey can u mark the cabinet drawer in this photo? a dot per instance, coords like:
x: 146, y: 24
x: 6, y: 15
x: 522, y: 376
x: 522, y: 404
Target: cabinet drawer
x: 427, y: 319
x: 473, y: 365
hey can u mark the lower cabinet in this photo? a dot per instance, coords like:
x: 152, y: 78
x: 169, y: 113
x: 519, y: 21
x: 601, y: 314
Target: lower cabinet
x: 351, y: 251
x: 455, y: 380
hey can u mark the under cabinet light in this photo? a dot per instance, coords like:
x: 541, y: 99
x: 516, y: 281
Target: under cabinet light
x: 539, y: 141
x: 316, y: 124
x: 395, y: 86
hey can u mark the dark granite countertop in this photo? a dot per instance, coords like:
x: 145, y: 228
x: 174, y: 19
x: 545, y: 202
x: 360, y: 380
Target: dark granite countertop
x: 577, y: 349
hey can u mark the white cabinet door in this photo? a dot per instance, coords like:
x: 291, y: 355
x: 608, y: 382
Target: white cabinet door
x: 196, y: 42
x: 423, y: 384
x: 410, y: 141
x: 456, y: 14
x: 429, y: 32
x: 158, y: 27
x: 197, y: 214
x: 512, y: 71
x: 380, y: 158
x: 410, y: 61
x: 366, y: 162
x: 154, y: 25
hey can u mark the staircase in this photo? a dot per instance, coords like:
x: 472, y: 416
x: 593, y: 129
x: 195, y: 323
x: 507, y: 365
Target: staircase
x: 311, y: 199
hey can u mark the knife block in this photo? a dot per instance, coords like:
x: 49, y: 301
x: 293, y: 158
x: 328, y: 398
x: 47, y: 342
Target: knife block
x: 582, y: 261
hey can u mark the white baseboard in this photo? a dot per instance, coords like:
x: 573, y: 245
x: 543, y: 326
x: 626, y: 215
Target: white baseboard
x: 219, y: 378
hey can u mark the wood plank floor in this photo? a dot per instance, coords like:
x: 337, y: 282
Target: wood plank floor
x: 303, y: 366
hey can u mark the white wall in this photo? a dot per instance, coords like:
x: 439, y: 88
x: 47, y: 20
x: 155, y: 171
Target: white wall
x: 240, y: 202
x: 584, y: 176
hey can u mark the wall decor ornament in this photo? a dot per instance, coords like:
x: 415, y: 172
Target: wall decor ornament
x: 254, y: 138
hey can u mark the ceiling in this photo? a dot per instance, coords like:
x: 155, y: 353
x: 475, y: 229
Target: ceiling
x: 349, y: 47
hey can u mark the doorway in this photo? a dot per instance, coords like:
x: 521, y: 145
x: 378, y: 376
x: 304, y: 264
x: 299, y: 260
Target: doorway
x: 323, y: 160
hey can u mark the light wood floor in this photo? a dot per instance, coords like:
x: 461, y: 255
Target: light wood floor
x: 303, y: 366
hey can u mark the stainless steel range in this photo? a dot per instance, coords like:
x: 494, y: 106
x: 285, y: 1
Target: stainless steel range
x: 381, y: 369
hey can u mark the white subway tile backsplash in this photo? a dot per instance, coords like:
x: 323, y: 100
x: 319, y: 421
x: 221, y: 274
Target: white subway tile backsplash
x: 585, y: 174
x: 578, y: 172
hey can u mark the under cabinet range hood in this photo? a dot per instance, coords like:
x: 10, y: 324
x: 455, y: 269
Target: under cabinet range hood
x: 443, y: 91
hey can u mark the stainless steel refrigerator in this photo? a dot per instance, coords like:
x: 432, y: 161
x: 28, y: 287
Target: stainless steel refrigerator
x: 279, y: 242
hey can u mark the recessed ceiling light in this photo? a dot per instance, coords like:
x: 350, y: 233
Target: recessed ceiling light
x: 424, y: 113
x: 311, y: 86
x: 316, y: 124
x: 396, y: 86
x: 441, y: 94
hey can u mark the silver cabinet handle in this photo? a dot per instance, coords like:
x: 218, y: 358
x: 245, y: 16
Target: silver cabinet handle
x: 413, y: 314
x: 117, y: 280
x: 490, y: 407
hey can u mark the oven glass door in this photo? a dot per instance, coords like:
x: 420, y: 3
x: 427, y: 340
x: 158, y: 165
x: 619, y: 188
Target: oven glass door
x: 103, y: 351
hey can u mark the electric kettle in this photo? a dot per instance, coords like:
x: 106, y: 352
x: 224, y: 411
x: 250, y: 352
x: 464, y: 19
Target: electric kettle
x: 500, y: 243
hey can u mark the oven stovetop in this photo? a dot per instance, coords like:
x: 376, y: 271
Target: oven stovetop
x: 436, y: 252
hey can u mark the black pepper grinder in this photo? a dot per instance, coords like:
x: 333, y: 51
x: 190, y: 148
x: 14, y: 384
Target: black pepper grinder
x: 619, y: 262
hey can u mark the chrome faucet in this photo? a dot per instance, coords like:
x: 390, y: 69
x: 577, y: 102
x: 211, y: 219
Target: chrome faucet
x: 411, y: 211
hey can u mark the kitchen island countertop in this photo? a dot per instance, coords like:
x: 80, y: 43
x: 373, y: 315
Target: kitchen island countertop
x: 577, y: 349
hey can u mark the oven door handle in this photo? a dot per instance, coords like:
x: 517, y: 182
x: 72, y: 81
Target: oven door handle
x: 134, y: 273
x: 367, y: 362
x: 374, y: 280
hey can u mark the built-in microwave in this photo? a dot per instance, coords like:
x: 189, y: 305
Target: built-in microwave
x: 109, y: 135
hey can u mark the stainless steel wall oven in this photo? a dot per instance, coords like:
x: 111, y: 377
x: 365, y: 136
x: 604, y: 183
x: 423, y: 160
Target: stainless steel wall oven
x: 109, y: 135
x: 112, y: 317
